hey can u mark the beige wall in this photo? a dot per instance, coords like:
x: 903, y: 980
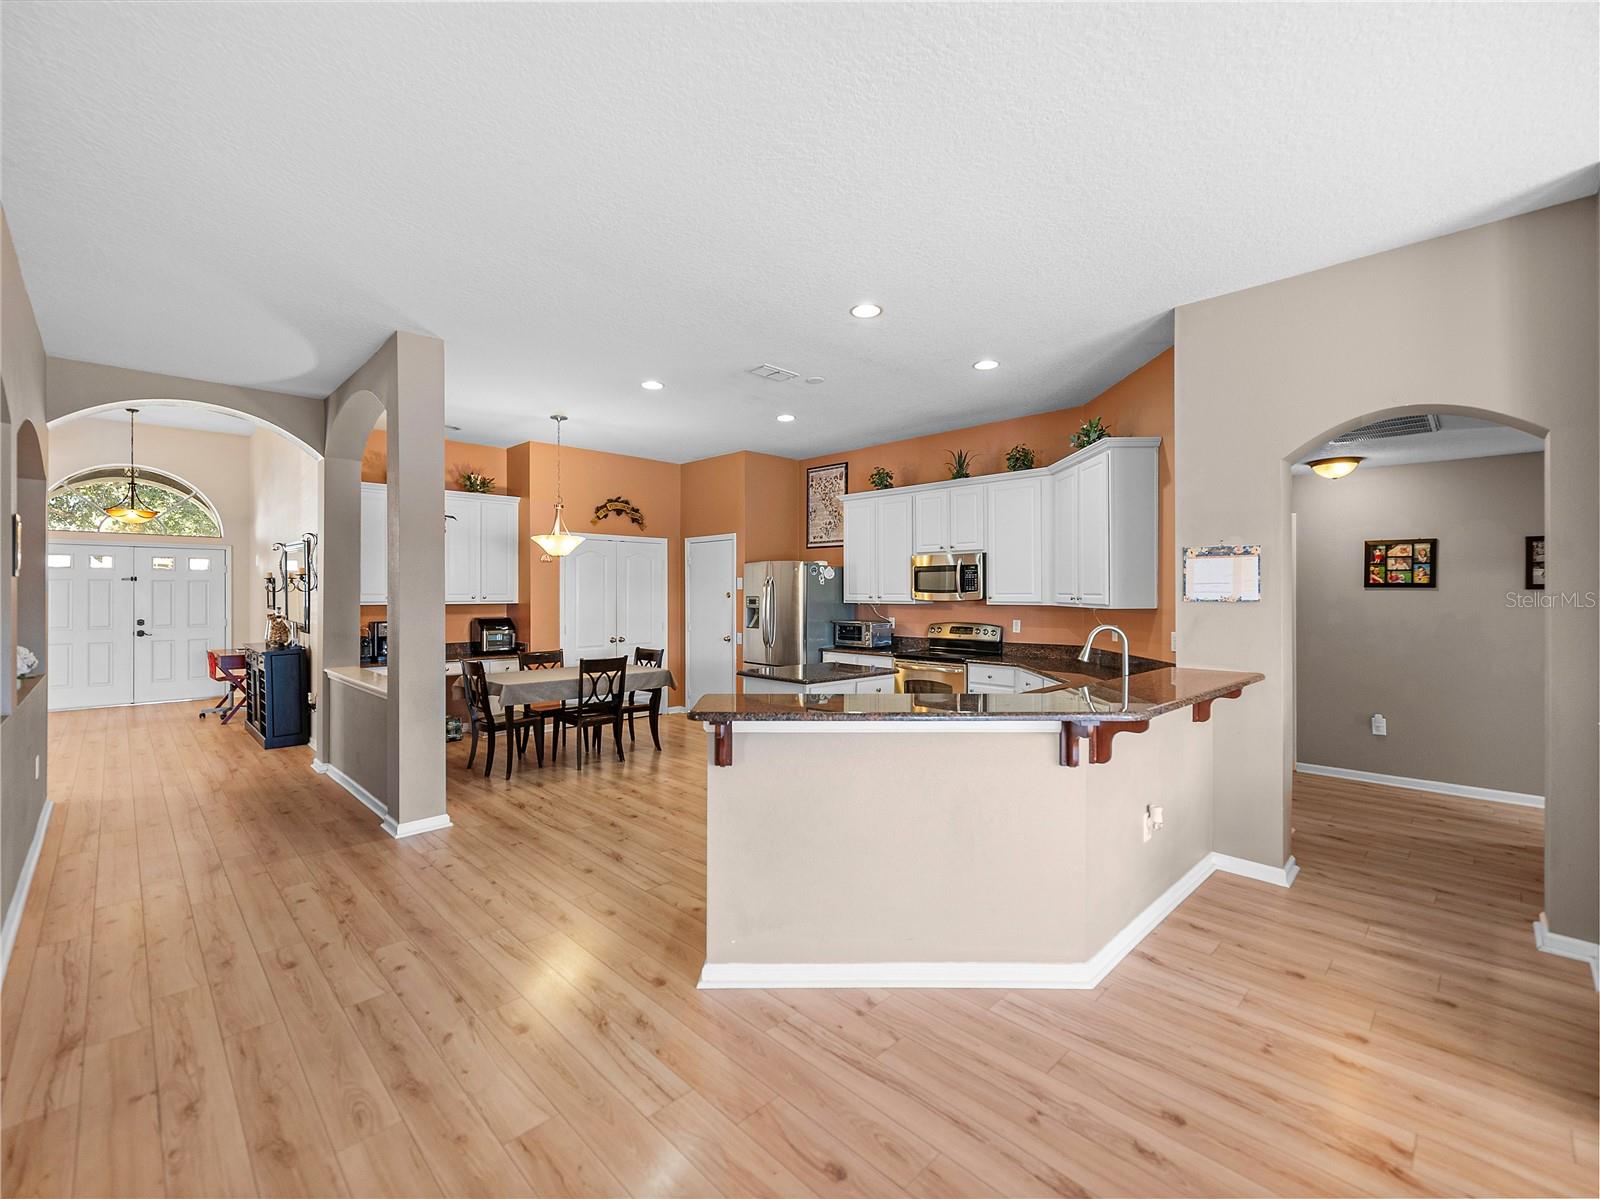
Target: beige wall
x: 1498, y: 320
x: 283, y: 483
x: 1426, y: 659
x: 22, y: 488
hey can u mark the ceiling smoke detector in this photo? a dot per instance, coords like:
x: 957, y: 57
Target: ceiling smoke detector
x: 776, y: 373
x: 1394, y: 426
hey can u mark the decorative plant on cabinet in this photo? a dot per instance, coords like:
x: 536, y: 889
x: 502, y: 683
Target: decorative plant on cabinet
x: 960, y: 464
x: 1019, y: 457
x: 881, y: 478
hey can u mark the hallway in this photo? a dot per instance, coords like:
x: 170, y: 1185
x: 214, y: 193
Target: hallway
x: 228, y: 980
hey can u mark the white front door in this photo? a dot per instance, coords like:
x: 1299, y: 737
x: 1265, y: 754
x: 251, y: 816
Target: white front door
x: 91, y: 624
x: 710, y: 568
x: 131, y: 624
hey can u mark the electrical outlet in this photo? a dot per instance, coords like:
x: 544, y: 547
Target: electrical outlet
x: 1174, y: 640
x: 1016, y: 626
x: 1380, y: 726
x: 1155, y: 818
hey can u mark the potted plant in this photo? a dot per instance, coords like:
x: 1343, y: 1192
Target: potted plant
x: 1088, y: 433
x: 475, y: 481
x: 881, y: 478
x: 960, y: 464
x: 1019, y: 457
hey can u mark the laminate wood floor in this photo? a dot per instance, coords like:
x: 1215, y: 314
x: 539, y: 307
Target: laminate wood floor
x: 229, y: 981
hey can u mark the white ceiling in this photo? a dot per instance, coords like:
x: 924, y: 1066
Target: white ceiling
x: 173, y: 414
x: 1456, y: 437
x: 580, y: 197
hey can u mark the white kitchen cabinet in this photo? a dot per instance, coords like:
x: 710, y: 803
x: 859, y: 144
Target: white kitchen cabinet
x: 374, y: 565
x: 1106, y: 530
x: 877, y: 685
x: 482, y: 547
x: 949, y: 519
x: 878, y: 541
x: 613, y: 597
x: 1014, y: 559
x: 854, y: 659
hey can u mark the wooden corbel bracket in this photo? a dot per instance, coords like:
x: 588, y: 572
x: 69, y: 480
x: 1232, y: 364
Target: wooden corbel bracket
x: 1071, y: 733
x: 722, y: 743
x: 1100, y: 741
x: 1202, y: 710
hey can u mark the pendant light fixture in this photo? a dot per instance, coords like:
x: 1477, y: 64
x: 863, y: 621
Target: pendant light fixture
x: 1335, y: 468
x: 560, y: 540
x: 131, y: 511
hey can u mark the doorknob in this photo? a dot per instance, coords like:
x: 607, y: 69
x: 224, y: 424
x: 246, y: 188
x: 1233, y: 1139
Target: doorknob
x: 727, y: 637
x: 140, y: 633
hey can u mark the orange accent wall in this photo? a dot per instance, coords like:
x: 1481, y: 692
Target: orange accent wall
x: 1140, y: 405
x: 458, y: 456
x: 589, y: 477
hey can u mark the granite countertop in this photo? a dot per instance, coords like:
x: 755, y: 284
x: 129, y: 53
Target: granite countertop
x: 1086, y: 698
x: 813, y: 673
x: 1055, y: 661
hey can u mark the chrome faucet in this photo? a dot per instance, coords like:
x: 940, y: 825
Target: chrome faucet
x: 1088, y: 644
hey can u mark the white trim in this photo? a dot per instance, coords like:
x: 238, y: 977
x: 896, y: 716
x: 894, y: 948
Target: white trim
x: 688, y: 609
x: 1014, y: 975
x: 1564, y: 946
x: 412, y: 827
x: 19, y: 893
x: 931, y: 724
x: 1520, y: 798
x: 367, y: 798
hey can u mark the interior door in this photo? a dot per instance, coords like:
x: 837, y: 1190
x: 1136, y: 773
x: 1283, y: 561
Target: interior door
x: 90, y: 624
x: 641, y: 594
x: 463, y: 550
x: 179, y: 612
x: 588, y: 601
x: 710, y: 567
x: 1094, y: 531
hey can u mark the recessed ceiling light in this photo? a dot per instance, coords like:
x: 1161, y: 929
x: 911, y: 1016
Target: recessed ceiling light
x: 814, y: 379
x: 985, y: 364
x: 866, y: 311
x: 786, y: 417
x: 652, y: 385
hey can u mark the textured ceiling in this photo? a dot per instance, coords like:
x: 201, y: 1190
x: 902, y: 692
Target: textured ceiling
x: 1456, y: 437
x: 579, y: 197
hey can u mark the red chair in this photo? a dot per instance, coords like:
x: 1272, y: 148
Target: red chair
x: 226, y: 666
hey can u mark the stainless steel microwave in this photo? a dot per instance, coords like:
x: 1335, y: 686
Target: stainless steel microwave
x: 947, y: 576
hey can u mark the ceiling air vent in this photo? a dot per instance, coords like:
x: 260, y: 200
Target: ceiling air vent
x: 776, y: 373
x: 1395, y: 426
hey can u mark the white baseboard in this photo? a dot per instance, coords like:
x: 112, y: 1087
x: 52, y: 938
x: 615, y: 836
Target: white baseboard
x: 19, y: 894
x: 1520, y: 798
x: 1008, y: 975
x: 409, y: 828
x: 1567, y: 947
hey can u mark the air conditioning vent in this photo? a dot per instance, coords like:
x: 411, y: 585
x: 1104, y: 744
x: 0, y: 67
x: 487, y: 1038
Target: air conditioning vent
x: 776, y: 373
x: 1395, y: 426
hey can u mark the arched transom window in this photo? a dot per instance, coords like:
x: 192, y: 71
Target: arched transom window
x: 77, y: 504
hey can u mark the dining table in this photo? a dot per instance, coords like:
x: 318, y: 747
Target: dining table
x: 562, y: 683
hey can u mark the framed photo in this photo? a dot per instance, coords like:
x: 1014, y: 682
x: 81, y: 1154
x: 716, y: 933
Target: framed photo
x: 1402, y: 564
x: 825, y: 488
x: 1533, y: 564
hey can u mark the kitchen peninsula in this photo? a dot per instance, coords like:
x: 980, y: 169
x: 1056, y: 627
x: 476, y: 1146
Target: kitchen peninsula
x: 962, y: 840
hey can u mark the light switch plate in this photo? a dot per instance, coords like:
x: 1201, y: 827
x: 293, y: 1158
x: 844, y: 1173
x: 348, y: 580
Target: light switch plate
x: 1016, y: 626
x: 1174, y: 640
x: 1380, y: 726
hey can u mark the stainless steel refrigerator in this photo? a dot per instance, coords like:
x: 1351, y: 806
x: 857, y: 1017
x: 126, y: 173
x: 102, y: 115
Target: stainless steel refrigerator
x: 788, y: 610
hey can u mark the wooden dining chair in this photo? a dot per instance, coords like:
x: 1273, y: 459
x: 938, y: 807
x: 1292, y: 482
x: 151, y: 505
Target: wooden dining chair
x: 602, y: 691
x: 541, y: 659
x: 488, y: 714
x: 641, y: 657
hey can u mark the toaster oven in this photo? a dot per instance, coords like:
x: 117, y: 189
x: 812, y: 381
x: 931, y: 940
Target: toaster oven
x: 863, y: 634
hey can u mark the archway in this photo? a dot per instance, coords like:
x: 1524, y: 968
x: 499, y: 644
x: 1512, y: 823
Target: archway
x: 27, y: 557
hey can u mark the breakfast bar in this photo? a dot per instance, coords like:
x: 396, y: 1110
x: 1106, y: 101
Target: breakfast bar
x: 963, y: 840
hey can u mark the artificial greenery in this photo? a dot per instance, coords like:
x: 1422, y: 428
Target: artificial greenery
x: 881, y: 478
x: 1088, y: 433
x: 81, y: 507
x: 960, y: 464
x: 1019, y: 457
x: 474, y: 481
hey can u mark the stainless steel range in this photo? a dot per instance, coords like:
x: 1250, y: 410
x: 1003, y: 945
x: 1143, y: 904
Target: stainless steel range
x: 942, y: 667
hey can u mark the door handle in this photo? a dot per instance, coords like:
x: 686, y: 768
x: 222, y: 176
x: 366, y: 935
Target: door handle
x: 140, y: 633
x: 727, y: 637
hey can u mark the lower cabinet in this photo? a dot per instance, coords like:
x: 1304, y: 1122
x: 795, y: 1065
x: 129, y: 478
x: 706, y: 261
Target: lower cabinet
x: 877, y: 685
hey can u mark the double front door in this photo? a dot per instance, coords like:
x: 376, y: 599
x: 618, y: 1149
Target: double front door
x: 613, y: 597
x: 132, y: 624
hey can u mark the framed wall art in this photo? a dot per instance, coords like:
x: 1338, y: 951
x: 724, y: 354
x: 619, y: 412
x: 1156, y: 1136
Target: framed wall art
x: 1405, y: 563
x: 825, y: 488
x: 1533, y: 564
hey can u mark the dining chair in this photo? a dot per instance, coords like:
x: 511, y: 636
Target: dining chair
x: 488, y: 714
x: 541, y: 659
x: 641, y: 657
x: 602, y: 691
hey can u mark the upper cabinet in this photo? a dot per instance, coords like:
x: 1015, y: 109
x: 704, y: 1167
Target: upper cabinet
x: 481, y: 547
x: 949, y: 518
x: 1106, y: 526
x: 878, y: 540
x: 1014, y: 559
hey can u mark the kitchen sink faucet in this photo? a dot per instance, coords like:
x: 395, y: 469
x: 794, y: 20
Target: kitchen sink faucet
x: 1122, y: 638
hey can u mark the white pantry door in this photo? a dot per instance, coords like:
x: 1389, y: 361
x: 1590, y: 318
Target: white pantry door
x: 179, y: 612
x: 710, y: 569
x: 641, y: 594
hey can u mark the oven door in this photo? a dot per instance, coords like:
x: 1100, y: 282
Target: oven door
x: 925, y: 678
x: 946, y: 577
